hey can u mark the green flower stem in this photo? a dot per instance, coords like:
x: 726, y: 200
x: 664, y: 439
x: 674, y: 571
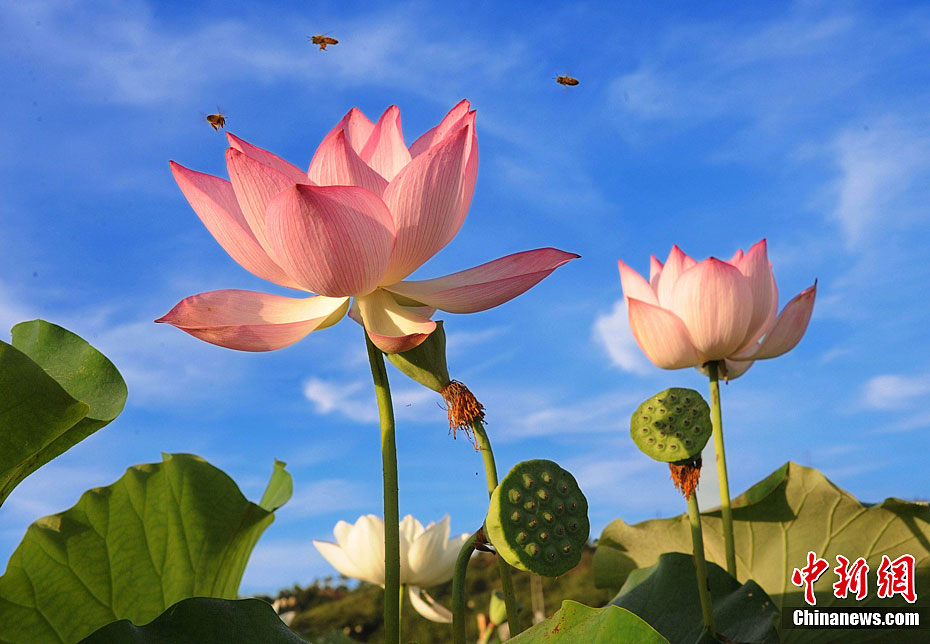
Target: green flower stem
x: 726, y: 513
x: 700, y: 566
x: 490, y: 472
x: 458, y: 589
x: 391, y: 512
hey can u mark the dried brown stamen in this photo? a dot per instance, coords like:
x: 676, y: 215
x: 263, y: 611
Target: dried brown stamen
x: 685, y: 475
x: 463, y: 409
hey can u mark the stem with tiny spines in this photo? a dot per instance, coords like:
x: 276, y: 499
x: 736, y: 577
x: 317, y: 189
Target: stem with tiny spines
x: 700, y: 566
x: 726, y: 513
x: 490, y: 472
x: 391, y: 511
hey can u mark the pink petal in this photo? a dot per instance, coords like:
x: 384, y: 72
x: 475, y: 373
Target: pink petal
x: 676, y: 264
x: 385, y: 150
x: 450, y: 123
x: 788, y: 330
x: 428, y: 200
x: 485, y: 286
x: 250, y: 321
x: 214, y: 201
x: 714, y: 301
x: 391, y: 327
x: 634, y: 285
x: 256, y: 184
x: 333, y: 240
x: 357, y: 127
x: 655, y: 269
x: 337, y: 164
x: 738, y: 256
x: 662, y: 336
x: 757, y: 270
x: 295, y: 174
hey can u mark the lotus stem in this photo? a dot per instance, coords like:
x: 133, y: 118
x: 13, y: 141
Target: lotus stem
x: 490, y: 473
x: 391, y: 512
x: 458, y: 589
x: 700, y: 566
x: 726, y: 513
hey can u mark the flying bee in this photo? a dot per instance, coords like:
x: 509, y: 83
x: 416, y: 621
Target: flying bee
x: 566, y: 80
x: 322, y: 41
x: 217, y: 120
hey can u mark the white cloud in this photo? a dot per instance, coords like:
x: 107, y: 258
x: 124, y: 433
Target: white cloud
x: 355, y: 400
x: 612, y: 331
x: 604, y: 413
x: 458, y: 341
x: 894, y: 392
x: 328, y: 496
x: 123, y: 53
x: 877, y: 165
x: 12, y: 312
x: 161, y: 364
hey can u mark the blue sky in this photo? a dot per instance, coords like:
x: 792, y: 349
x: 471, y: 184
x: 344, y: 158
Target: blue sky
x: 710, y: 127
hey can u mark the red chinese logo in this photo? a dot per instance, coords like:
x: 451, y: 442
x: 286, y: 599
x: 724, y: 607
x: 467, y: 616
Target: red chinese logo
x: 809, y: 574
x: 853, y: 579
x: 897, y: 578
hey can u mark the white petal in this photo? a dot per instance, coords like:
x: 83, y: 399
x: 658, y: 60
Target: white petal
x: 429, y: 607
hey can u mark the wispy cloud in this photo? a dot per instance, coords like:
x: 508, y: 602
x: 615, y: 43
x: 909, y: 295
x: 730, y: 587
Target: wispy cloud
x: 123, y: 53
x: 879, y: 165
x: 597, y: 414
x: 895, y: 391
x: 329, y: 496
x: 612, y: 332
x: 355, y: 401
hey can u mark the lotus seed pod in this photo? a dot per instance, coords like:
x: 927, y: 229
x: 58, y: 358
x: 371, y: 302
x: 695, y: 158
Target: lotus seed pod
x: 673, y: 425
x: 538, y: 518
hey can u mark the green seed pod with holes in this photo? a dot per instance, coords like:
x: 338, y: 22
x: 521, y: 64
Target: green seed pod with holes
x: 671, y: 426
x: 538, y: 518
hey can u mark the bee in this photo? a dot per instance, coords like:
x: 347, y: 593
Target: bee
x: 216, y: 121
x: 322, y: 41
x: 566, y: 80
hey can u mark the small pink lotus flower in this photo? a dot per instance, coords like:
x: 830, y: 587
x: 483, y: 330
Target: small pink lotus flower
x: 690, y: 313
x: 367, y: 213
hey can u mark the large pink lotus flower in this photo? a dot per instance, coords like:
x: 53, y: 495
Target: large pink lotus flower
x: 367, y: 213
x: 690, y: 313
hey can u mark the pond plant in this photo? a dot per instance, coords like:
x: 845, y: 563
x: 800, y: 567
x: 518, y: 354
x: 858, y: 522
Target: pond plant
x: 159, y: 555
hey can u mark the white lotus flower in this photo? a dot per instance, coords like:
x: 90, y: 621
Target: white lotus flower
x: 427, y: 557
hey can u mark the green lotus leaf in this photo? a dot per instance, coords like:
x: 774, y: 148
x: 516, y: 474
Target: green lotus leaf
x: 55, y: 391
x: 666, y: 596
x: 203, y: 620
x: 776, y: 522
x: 162, y: 533
x: 575, y: 623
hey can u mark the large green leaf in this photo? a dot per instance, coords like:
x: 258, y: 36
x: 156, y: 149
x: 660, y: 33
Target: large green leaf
x: 203, y: 621
x: 162, y: 533
x: 666, y: 595
x: 776, y: 523
x: 55, y: 391
x: 576, y: 622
